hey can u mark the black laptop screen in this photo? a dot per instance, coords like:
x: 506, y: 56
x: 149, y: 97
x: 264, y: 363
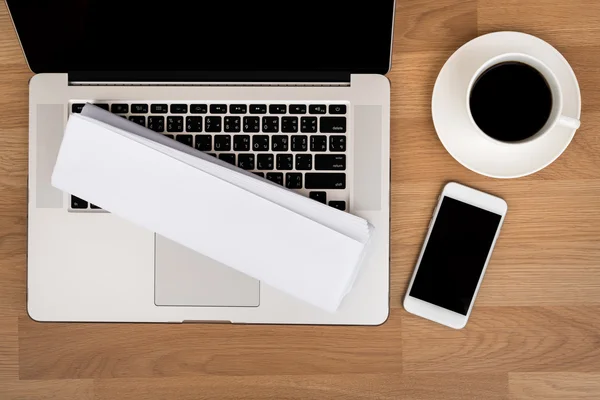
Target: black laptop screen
x: 201, y: 35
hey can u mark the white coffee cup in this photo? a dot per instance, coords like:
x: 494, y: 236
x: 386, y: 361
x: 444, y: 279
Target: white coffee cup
x: 556, y: 117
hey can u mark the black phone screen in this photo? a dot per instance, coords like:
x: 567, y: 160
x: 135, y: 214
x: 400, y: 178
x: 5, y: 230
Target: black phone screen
x: 458, y: 247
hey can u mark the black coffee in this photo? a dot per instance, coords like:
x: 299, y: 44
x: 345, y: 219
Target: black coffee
x: 511, y: 101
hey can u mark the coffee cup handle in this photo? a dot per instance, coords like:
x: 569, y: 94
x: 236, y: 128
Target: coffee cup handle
x: 569, y: 122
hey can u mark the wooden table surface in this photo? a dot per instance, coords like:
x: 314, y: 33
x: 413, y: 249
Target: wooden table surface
x: 535, y: 329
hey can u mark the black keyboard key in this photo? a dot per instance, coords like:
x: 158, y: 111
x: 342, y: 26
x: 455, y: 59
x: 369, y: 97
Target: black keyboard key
x: 204, y: 142
x: 337, y: 109
x: 78, y: 204
x: 293, y: 180
x: 218, y: 108
x: 330, y: 162
x: 138, y: 119
x: 119, y: 108
x: 299, y: 143
x: 261, y: 174
x: 277, y: 109
x: 246, y: 161
x: 317, y: 109
x: 289, y: 124
x: 258, y: 109
x: 222, y: 143
x: 321, y: 197
x: 238, y: 109
x: 264, y: 161
x: 139, y: 108
x: 232, y: 124
x: 285, y: 162
x: 179, y: 108
x: 94, y: 207
x: 280, y: 143
x: 198, y: 109
x: 212, y: 154
x: 241, y: 143
x: 228, y: 157
x: 77, y: 107
x: 337, y: 143
x: 170, y: 136
x: 304, y: 162
x: 340, y: 205
x: 157, y: 124
x: 174, y: 124
x: 318, y: 143
x: 185, y: 139
x: 260, y: 143
x: 308, y: 124
x: 324, y: 180
x: 297, y: 109
x: 270, y: 124
x: 212, y: 124
x: 252, y: 124
x: 333, y: 124
x: 193, y: 124
x: 159, y: 108
x: 276, y: 177
x: 102, y: 106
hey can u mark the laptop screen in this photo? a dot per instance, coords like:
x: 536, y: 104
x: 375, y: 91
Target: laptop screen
x: 174, y: 35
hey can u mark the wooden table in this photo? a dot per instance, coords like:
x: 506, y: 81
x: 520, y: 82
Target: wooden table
x: 534, y: 332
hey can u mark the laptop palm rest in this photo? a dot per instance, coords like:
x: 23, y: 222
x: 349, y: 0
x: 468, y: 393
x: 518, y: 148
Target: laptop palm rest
x: 186, y: 278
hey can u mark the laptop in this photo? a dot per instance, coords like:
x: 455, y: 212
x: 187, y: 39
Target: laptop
x: 294, y: 92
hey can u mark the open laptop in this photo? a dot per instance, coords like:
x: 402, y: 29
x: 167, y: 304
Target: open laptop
x: 294, y: 92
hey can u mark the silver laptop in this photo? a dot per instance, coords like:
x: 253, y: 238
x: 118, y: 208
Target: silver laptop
x: 295, y: 93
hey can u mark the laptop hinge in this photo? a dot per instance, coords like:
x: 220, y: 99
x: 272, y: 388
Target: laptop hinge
x: 208, y: 77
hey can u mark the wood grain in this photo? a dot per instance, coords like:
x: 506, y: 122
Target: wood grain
x: 510, y: 339
x: 535, y: 329
x: 321, y: 386
x: 140, y: 350
x: 554, y: 386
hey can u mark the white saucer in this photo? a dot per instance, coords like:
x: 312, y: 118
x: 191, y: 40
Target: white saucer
x: 465, y: 142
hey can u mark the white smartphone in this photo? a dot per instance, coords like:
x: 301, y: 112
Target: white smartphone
x: 462, y: 234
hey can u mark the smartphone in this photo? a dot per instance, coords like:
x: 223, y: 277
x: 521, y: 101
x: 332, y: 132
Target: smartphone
x: 459, y: 243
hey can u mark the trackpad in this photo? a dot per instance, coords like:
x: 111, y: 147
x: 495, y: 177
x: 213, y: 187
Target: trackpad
x: 186, y: 278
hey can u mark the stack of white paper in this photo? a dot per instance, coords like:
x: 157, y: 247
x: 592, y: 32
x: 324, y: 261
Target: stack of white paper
x: 297, y: 245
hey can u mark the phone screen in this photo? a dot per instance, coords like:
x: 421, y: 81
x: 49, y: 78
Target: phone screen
x: 456, y: 252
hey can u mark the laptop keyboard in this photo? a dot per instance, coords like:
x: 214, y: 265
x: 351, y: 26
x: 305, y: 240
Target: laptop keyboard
x: 299, y: 146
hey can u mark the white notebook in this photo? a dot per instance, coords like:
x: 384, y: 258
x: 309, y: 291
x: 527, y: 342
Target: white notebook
x: 304, y: 248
